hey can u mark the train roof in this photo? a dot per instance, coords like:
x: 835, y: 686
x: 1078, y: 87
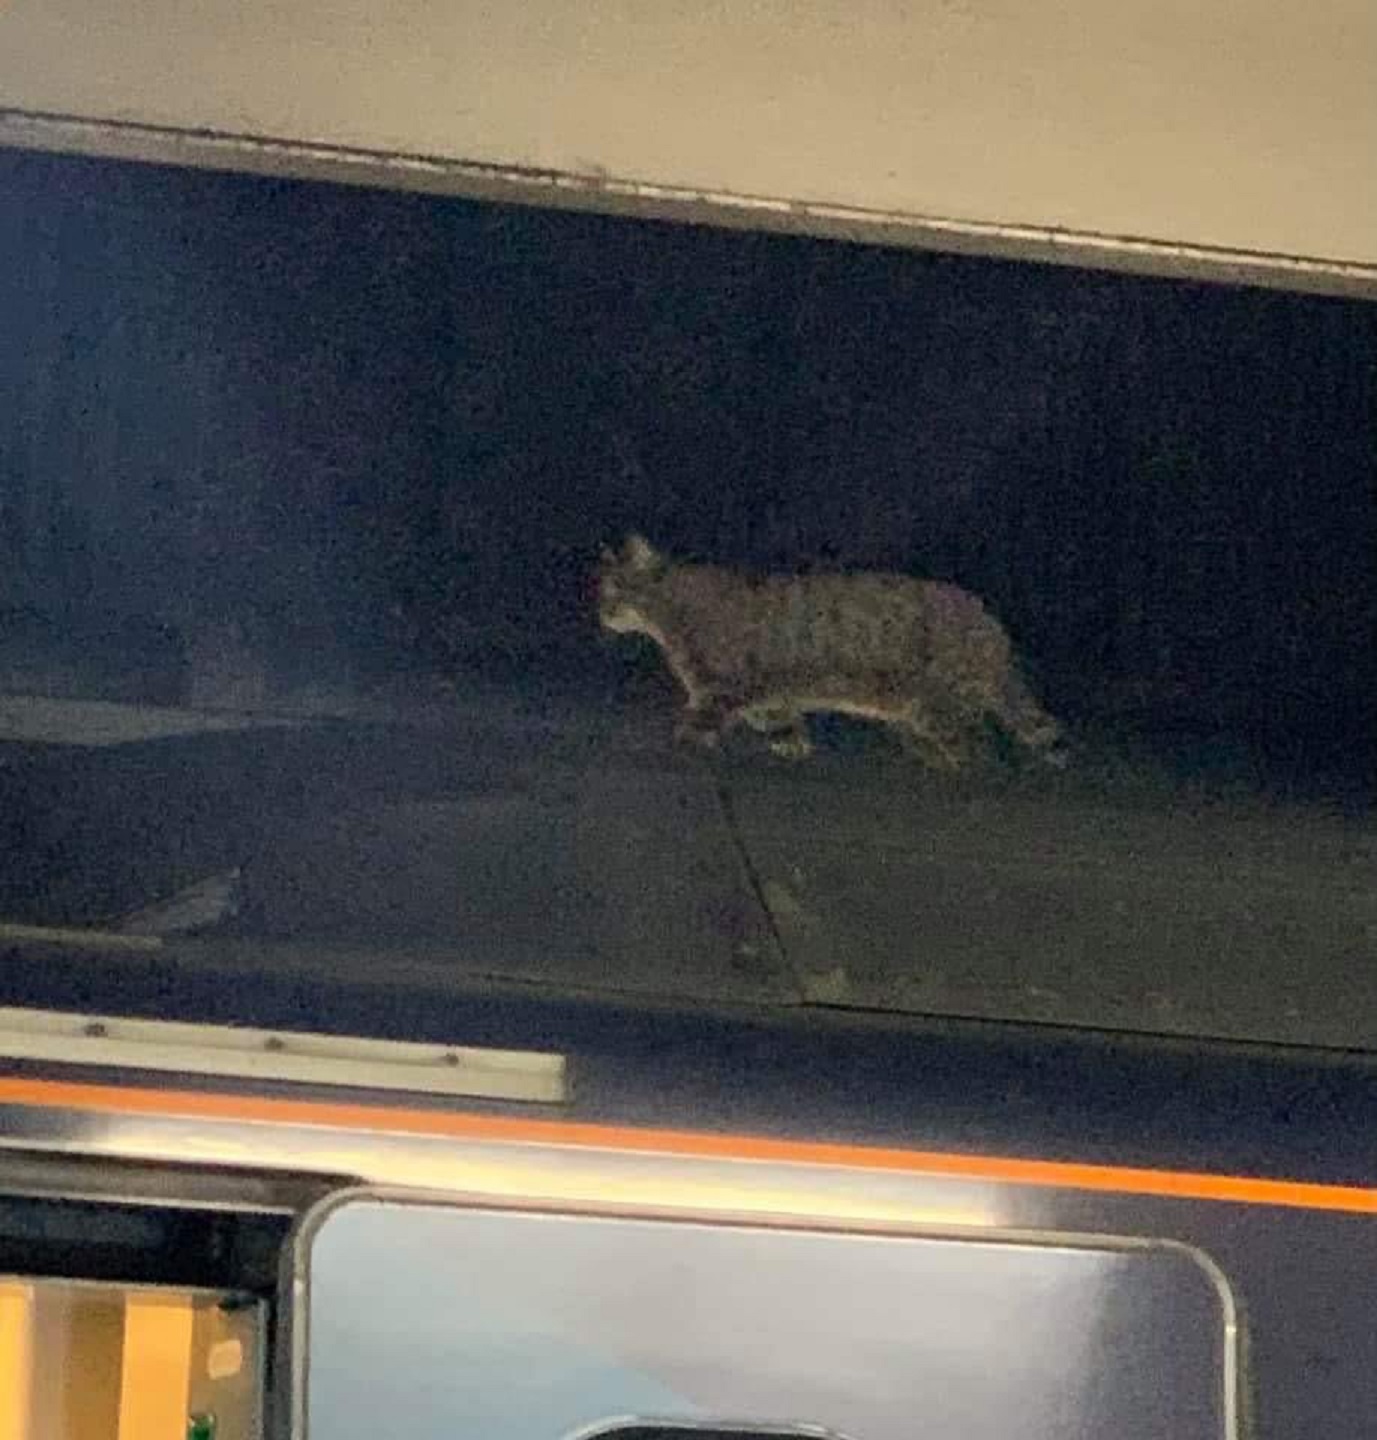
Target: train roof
x: 574, y: 852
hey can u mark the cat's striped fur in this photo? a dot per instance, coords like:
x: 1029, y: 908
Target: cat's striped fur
x: 923, y: 657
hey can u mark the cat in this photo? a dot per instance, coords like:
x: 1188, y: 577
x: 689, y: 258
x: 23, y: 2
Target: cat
x: 922, y: 657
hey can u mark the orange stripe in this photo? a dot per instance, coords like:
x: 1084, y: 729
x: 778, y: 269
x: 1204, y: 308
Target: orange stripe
x: 384, y: 1119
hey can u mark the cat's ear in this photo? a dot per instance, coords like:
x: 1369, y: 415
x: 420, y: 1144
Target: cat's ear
x: 639, y: 553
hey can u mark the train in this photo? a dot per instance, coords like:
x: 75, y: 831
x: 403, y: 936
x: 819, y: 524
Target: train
x: 663, y: 1222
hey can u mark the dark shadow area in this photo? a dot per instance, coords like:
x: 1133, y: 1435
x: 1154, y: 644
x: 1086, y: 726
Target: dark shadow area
x: 302, y: 491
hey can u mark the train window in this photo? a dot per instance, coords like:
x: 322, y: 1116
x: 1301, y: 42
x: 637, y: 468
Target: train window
x: 136, y: 1302
x: 81, y: 1361
x: 309, y: 492
x: 531, y: 1326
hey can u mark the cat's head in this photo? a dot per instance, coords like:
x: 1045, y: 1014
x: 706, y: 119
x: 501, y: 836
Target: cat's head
x: 626, y: 580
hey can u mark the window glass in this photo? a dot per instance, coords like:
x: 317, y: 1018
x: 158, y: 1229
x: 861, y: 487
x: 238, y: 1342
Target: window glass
x: 542, y: 1327
x: 319, y: 571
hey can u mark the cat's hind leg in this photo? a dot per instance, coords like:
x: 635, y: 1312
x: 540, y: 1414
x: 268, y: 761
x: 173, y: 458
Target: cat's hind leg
x: 703, y: 722
x: 938, y: 746
x: 784, y: 727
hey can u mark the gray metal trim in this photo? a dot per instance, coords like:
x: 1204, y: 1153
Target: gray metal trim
x: 74, y: 1177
